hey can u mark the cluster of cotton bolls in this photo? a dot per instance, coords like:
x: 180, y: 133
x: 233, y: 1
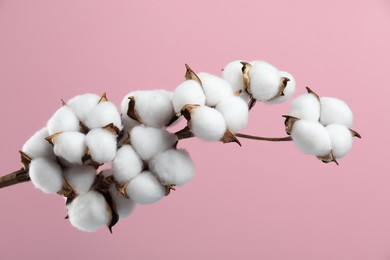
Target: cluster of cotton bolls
x: 321, y: 126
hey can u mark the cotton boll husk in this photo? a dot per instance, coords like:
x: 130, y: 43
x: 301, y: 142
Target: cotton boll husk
x: 235, y: 112
x: 207, y: 123
x: 37, y: 146
x: 46, y: 175
x: 102, y: 115
x: 215, y: 88
x: 311, y: 138
x: 127, y: 164
x: 306, y: 107
x: 335, y: 111
x: 89, y: 212
x: 80, y: 178
x: 173, y: 167
x: 70, y: 146
x: 64, y: 119
x: 145, y: 189
x: 188, y: 92
x: 128, y: 123
x: 101, y: 145
x: 81, y: 105
x: 233, y: 74
x: 264, y: 80
x: 149, y: 141
x: 341, y: 139
x: 124, y: 206
x: 288, y: 91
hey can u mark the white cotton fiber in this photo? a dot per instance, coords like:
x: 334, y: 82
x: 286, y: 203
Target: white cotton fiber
x: 37, y: 146
x: 46, y: 175
x: 233, y: 74
x: 70, y: 146
x: 63, y: 120
x: 80, y: 178
x: 124, y: 206
x: 101, y: 144
x: 89, y: 212
x: 173, y: 167
x: 341, y: 139
x: 235, y: 112
x: 148, y: 141
x: 127, y: 164
x: 335, y: 111
x: 81, y: 105
x: 311, y: 138
x: 145, y: 189
x: 264, y: 81
x: 215, y: 88
x: 188, y: 92
x: 207, y: 123
x: 102, y: 115
x: 128, y: 123
x: 306, y: 107
x: 288, y: 91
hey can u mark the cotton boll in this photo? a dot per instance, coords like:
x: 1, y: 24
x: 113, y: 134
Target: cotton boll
x: 341, y: 139
x: 127, y: 164
x: 102, y: 115
x: 145, y: 189
x: 311, y: 138
x: 235, y: 112
x: 207, y: 123
x: 335, y: 111
x: 288, y: 91
x: 306, y: 107
x: 81, y: 105
x: 124, y: 206
x: 233, y: 74
x: 46, y: 175
x: 148, y: 141
x: 101, y: 145
x: 188, y: 92
x: 173, y: 167
x: 215, y: 88
x: 70, y: 146
x: 264, y: 81
x: 80, y: 178
x: 89, y: 212
x: 37, y: 146
x: 63, y: 120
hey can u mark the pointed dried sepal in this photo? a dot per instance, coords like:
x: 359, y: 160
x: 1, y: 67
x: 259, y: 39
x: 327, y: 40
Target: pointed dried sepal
x: 102, y: 183
x: 237, y: 93
x: 169, y: 188
x: 83, y: 128
x: 184, y: 133
x: 246, y: 67
x: 355, y: 134
x: 187, y: 110
x: 131, y: 111
x: 114, y: 212
x: 122, y: 190
x: 229, y: 137
x: 67, y: 191
x: 190, y: 74
x: 112, y: 128
x: 282, y: 87
x: 103, y: 98
x: 252, y: 103
x: 52, y: 138
x: 328, y: 158
x: 63, y: 103
x: 173, y: 119
x: 289, y: 123
x: 312, y: 92
x: 25, y: 159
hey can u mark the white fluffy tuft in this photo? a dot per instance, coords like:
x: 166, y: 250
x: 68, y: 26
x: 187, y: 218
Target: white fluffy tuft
x: 46, y: 175
x: 37, y: 146
x: 188, y: 92
x: 123, y: 205
x: 70, y: 146
x: 101, y: 145
x: 335, y: 111
x: 341, y: 139
x: 264, y: 81
x: 80, y: 178
x: 306, y: 107
x: 145, y: 189
x: 127, y: 164
x: 102, y: 115
x: 215, y: 88
x: 288, y: 91
x: 235, y: 112
x: 233, y: 74
x: 81, y: 105
x: 63, y: 120
x: 207, y: 123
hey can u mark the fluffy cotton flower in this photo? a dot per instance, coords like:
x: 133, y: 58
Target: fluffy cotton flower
x: 145, y: 189
x: 215, y: 88
x: 81, y: 105
x: 102, y: 115
x: 70, y: 146
x: 148, y: 141
x: 46, y: 175
x: 207, y: 123
x: 37, y: 146
x: 288, y: 91
x: 80, y: 178
x: 311, y: 138
x: 235, y: 112
x: 306, y: 107
x: 63, y: 120
x: 101, y: 145
x: 127, y: 164
x: 341, y: 139
x: 124, y: 206
x: 89, y: 212
x: 233, y: 74
x: 173, y: 167
x: 188, y: 92
x: 335, y: 111
x: 264, y: 81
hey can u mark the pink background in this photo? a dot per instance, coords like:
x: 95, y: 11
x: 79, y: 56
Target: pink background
x: 260, y: 201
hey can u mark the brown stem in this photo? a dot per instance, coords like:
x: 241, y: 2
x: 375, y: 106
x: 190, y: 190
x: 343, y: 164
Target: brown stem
x: 16, y: 177
x: 271, y: 139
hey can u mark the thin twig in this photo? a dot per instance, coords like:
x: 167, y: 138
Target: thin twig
x: 13, y: 178
x: 260, y: 138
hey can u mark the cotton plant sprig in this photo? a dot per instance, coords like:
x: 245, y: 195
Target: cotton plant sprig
x: 141, y: 158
